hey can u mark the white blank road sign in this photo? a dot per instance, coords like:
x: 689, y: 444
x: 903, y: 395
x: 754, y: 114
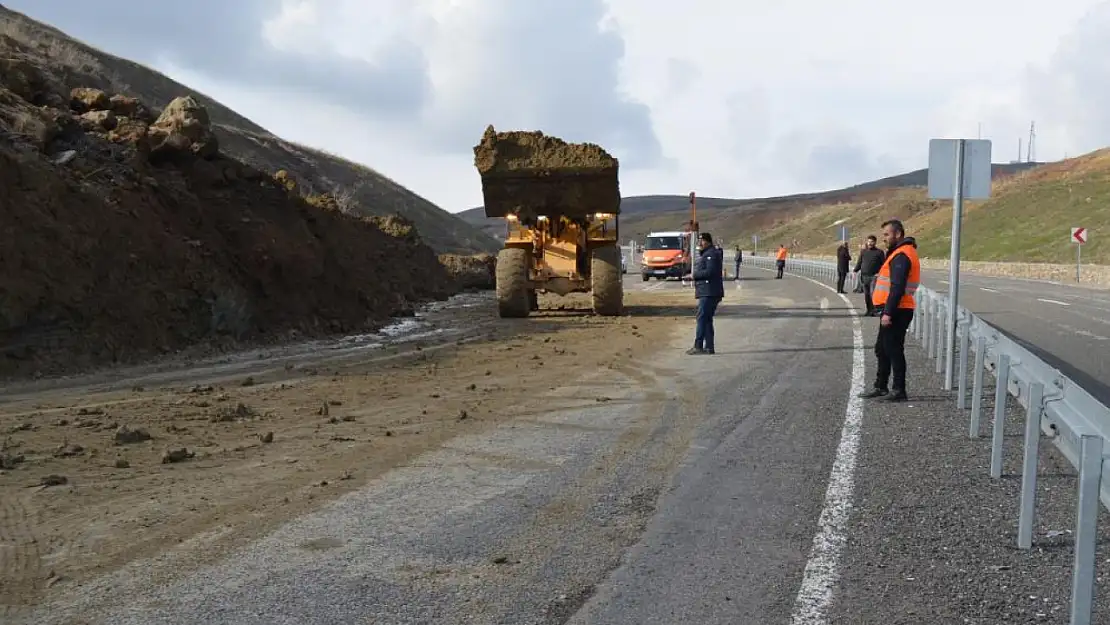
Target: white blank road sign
x: 942, y: 169
x: 1079, y: 235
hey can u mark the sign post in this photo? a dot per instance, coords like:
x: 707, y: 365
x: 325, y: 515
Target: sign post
x: 1079, y: 237
x: 959, y: 169
x: 843, y: 234
x: 693, y: 251
x: 755, y: 243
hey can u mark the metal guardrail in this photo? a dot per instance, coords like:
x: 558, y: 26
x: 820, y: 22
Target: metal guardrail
x: 1055, y: 406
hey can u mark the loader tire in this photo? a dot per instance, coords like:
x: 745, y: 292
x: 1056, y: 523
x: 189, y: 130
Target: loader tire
x: 606, y: 282
x: 512, y: 283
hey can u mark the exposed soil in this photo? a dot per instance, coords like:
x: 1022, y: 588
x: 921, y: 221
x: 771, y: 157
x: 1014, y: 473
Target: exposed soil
x: 360, y: 189
x: 471, y: 272
x: 517, y: 150
x: 530, y: 173
x: 91, y: 480
x: 126, y: 234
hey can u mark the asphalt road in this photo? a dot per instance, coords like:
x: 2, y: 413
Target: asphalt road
x: 691, y: 494
x: 1068, y: 327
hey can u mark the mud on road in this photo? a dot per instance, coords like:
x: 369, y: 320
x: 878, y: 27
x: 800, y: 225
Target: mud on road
x: 181, y: 462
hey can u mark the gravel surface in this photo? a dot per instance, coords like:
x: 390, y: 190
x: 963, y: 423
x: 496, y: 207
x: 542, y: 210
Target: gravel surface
x: 933, y: 537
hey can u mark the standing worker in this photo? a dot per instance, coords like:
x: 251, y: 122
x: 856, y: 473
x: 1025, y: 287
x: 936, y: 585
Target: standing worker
x: 895, y: 286
x: 739, y: 259
x: 780, y: 261
x: 843, y: 257
x: 867, y: 265
x: 709, y: 289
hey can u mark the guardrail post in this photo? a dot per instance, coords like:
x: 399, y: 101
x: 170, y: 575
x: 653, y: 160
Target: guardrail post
x: 965, y: 345
x: 1000, y: 395
x: 922, y: 301
x: 922, y: 332
x: 1086, y: 524
x: 977, y: 384
x: 938, y: 340
x: 1027, y: 512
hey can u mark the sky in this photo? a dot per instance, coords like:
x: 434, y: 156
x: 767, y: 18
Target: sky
x: 728, y: 99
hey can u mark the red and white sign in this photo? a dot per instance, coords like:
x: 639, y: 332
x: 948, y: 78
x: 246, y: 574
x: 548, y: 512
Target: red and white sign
x: 1079, y: 235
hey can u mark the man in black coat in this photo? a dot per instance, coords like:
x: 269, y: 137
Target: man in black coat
x: 870, y: 261
x: 843, y: 257
x: 709, y: 289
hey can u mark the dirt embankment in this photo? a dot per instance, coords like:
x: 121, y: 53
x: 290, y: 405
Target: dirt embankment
x: 477, y: 272
x: 125, y: 234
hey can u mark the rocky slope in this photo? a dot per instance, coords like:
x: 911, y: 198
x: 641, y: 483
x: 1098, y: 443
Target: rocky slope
x: 360, y: 189
x: 126, y: 232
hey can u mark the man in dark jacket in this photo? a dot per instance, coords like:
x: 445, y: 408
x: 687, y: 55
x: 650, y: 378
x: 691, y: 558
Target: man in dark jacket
x: 709, y: 289
x: 739, y: 259
x: 843, y: 257
x: 870, y: 261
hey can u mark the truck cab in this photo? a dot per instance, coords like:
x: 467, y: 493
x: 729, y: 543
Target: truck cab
x: 666, y: 255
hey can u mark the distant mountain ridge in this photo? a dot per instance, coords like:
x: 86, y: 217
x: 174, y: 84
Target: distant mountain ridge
x: 642, y: 213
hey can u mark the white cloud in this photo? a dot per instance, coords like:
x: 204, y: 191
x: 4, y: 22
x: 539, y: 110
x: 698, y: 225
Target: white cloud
x: 729, y: 99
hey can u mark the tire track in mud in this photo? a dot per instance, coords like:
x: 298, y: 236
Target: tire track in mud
x: 21, y: 572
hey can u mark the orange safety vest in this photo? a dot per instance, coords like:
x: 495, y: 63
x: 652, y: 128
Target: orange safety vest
x: 782, y: 254
x: 882, y: 279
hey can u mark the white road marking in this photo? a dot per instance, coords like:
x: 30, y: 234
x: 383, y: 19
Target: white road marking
x: 824, y: 303
x: 1053, y: 301
x: 822, y: 569
x: 983, y: 288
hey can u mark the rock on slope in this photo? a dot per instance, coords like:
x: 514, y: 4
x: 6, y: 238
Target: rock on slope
x: 368, y: 192
x: 125, y: 233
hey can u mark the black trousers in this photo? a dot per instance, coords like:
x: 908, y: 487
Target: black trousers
x: 840, y: 277
x: 890, y: 349
x: 779, y: 265
x: 868, y: 288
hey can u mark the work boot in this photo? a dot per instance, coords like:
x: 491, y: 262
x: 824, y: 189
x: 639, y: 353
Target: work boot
x: 873, y: 393
x: 897, y: 396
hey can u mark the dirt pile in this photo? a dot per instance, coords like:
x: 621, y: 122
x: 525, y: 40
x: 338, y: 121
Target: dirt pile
x: 471, y: 272
x: 125, y: 234
x: 529, y: 173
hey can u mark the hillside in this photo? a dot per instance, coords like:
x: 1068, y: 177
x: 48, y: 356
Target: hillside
x: 1028, y: 218
x: 360, y: 189
x: 127, y: 232
x: 736, y: 220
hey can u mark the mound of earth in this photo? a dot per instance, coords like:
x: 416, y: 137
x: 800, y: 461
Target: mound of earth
x: 126, y: 233
x: 471, y: 272
x: 369, y: 192
x: 529, y: 173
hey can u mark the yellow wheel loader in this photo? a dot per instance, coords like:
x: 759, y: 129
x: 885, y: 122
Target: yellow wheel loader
x: 561, y: 203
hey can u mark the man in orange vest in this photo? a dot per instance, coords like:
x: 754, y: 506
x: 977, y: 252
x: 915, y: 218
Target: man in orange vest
x: 894, y: 289
x: 780, y: 261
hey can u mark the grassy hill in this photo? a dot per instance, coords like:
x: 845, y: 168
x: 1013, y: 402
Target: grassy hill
x: 363, y: 190
x: 736, y: 220
x: 1028, y: 218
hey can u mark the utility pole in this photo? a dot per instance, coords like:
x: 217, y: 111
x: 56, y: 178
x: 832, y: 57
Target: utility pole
x: 1031, y: 149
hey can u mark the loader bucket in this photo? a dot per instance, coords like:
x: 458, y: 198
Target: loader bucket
x: 529, y: 173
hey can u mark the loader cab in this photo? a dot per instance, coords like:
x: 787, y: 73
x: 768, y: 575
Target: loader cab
x: 666, y: 255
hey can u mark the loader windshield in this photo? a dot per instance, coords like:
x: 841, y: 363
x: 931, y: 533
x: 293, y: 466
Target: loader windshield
x: 663, y: 243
